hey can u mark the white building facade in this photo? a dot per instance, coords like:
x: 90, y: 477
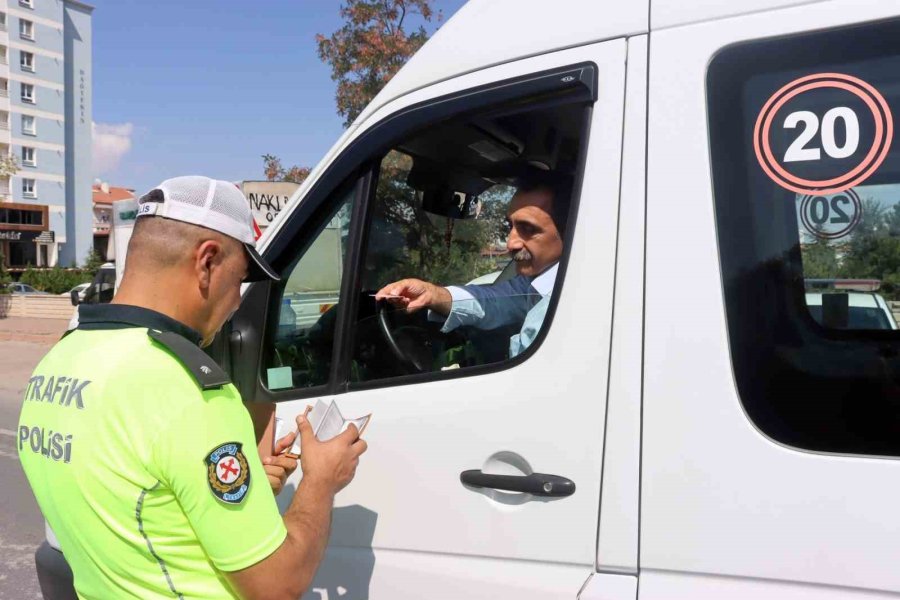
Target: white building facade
x: 45, y: 123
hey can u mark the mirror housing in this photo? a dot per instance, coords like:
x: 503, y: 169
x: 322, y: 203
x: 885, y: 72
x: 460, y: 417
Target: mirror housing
x: 73, y: 296
x: 447, y: 203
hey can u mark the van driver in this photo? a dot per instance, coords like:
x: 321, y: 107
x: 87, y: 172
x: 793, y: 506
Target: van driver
x: 537, y: 214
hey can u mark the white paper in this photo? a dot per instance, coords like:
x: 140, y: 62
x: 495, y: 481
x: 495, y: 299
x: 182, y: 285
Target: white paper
x: 327, y: 422
x: 279, y: 425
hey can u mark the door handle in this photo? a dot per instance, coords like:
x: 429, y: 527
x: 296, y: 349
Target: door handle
x: 536, y: 484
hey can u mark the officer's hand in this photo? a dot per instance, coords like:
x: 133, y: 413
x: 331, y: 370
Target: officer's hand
x: 415, y: 294
x: 332, y: 463
x: 280, y: 466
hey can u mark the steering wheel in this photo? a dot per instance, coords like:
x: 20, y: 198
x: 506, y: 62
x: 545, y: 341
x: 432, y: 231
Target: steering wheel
x: 409, y: 344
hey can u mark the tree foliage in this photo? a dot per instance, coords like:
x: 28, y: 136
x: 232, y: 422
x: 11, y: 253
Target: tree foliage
x: 375, y: 41
x: 871, y: 252
x: 9, y: 165
x: 55, y: 280
x: 363, y: 55
x: 276, y: 172
x: 93, y: 261
x: 5, y: 278
x: 371, y: 47
x: 406, y: 241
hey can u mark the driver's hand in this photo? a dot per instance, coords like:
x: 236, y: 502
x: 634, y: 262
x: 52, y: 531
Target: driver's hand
x: 415, y: 294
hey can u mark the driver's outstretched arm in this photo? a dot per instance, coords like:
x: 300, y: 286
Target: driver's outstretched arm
x: 415, y: 294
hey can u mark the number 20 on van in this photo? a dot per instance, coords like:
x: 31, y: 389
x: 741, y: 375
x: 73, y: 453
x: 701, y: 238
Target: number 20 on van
x: 822, y: 134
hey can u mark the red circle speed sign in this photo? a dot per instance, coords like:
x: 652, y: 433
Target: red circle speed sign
x: 849, y: 171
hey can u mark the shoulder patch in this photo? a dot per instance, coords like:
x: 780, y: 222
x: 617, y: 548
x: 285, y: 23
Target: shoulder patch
x: 204, y: 369
x: 228, y: 473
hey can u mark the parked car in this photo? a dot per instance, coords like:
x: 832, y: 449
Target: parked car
x: 24, y: 289
x: 79, y: 290
x: 99, y: 291
x: 862, y: 310
x: 680, y: 427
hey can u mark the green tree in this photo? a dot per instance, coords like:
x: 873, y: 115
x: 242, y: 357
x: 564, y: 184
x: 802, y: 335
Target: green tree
x: 873, y: 250
x: 5, y: 278
x: 371, y: 47
x: 407, y: 241
x: 363, y: 55
x: 92, y: 262
x: 276, y: 172
x: 9, y: 165
x: 820, y: 260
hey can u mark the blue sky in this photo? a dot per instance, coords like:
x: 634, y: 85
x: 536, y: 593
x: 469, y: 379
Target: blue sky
x: 207, y: 87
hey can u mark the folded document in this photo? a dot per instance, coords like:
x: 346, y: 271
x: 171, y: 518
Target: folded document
x: 327, y: 422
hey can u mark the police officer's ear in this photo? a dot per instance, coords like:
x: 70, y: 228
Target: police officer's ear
x: 208, y: 255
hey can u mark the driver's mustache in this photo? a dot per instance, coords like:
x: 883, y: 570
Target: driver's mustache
x: 522, y: 254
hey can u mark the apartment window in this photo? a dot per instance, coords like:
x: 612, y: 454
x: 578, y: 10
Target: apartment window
x: 26, y: 61
x: 26, y: 29
x: 26, y: 3
x: 2, y: 21
x: 29, y: 126
x: 28, y: 93
x: 28, y: 188
x: 28, y: 156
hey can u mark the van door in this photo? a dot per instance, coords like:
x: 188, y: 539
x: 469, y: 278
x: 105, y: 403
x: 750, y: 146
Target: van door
x: 771, y: 441
x: 483, y: 474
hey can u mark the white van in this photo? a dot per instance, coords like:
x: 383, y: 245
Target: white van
x: 682, y: 427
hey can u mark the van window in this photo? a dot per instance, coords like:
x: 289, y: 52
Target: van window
x: 807, y: 197
x: 307, y: 309
x: 465, y: 235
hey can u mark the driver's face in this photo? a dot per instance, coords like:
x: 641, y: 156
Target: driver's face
x: 534, y: 242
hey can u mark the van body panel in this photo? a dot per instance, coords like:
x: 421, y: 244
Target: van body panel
x: 423, y: 575
x: 452, y: 425
x: 610, y: 586
x: 485, y: 33
x: 480, y: 78
x: 617, y: 545
x: 699, y: 586
x: 718, y: 496
x: 671, y: 13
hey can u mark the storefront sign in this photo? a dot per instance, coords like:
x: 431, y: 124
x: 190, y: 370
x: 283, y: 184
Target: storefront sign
x: 267, y: 198
x: 19, y: 236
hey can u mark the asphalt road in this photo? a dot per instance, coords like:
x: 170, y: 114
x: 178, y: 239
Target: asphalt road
x: 21, y: 524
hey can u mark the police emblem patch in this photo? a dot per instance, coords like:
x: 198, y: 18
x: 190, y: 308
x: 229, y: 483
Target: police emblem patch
x: 228, y: 473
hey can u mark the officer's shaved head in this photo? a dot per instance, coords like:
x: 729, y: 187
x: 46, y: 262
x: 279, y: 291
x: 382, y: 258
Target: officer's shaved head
x: 158, y: 243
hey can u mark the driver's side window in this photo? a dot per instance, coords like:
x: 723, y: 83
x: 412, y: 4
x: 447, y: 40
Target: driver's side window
x: 464, y: 237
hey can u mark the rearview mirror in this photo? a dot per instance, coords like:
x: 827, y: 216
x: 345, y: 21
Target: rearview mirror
x: 73, y: 295
x: 447, y: 203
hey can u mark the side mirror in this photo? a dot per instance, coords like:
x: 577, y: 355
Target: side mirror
x: 73, y: 295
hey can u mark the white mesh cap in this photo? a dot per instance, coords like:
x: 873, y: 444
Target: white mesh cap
x: 211, y: 203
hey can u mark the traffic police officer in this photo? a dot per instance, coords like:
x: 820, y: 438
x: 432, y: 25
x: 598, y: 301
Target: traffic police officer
x: 138, y: 448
